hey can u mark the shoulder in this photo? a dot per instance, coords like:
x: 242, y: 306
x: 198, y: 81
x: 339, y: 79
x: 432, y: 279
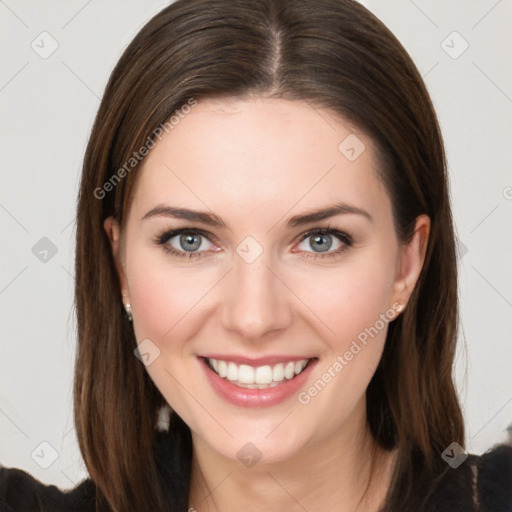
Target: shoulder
x: 21, y: 492
x: 482, y: 483
x: 493, y: 479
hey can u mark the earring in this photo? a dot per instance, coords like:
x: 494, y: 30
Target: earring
x: 400, y: 307
x: 128, y: 311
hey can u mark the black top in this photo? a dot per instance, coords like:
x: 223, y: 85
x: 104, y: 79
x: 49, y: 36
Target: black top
x: 480, y: 484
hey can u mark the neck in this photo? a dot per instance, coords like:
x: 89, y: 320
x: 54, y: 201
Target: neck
x: 334, y: 474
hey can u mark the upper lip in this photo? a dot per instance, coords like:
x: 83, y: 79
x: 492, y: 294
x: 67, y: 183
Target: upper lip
x: 257, y: 361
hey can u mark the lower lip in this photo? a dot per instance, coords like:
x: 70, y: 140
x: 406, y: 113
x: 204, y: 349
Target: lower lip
x: 246, y: 397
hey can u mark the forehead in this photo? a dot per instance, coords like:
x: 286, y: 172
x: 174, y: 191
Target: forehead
x: 260, y: 155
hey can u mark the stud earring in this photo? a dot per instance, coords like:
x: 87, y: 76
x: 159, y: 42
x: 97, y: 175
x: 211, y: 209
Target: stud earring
x: 400, y: 307
x: 128, y: 311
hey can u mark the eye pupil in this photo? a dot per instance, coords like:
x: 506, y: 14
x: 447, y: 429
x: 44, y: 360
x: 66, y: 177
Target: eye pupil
x: 325, y: 242
x: 190, y: 239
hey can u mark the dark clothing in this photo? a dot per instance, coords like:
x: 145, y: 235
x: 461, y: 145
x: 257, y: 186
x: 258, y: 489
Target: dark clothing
x: 480, y: 484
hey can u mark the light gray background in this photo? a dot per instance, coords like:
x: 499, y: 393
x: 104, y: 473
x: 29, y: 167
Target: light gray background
x: 47, y: 109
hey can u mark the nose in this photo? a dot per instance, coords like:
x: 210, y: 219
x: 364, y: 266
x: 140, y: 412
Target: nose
x: 256, y: 301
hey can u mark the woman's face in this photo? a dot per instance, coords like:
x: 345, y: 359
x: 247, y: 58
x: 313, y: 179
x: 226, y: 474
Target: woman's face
x: 249, y: 289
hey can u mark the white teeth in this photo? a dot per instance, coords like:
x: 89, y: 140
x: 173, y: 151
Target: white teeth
x: 246, y: 374
x: 223, y: 369
x: 232, y: 372
x: 278, y: 372
x: 299, y: 366
x: 261, y: 377
x: 289, y: 370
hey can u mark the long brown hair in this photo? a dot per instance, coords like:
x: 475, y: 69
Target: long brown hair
x: 331, y: 53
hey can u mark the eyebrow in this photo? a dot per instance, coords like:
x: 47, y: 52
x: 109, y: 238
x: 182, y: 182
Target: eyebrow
x: 215, y: 221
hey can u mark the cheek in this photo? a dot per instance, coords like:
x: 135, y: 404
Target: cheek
x: 354, y: 309
x: 349, y: 299
x: 164, y: 295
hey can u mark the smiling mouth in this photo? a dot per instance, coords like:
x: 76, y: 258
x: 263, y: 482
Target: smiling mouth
x: 261, y: 377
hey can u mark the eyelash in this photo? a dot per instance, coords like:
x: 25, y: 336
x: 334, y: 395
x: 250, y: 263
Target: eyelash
x: 164, y: 237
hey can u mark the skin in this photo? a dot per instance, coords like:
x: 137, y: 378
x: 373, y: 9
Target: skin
x: 255, y: 162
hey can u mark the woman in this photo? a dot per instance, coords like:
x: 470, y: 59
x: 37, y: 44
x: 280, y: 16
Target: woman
x: 265, y: 248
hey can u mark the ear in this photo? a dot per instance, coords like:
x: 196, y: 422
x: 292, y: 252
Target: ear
x: 113, y: 230
x: 410, y: 262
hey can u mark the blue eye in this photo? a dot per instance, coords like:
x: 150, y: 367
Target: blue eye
x: 193, y: 243
x: 321, y: 240
x: 186, y: 243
